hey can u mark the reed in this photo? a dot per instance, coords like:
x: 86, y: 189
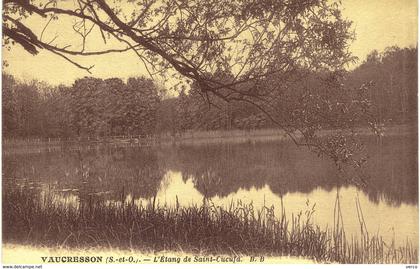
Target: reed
x: 42, y: 220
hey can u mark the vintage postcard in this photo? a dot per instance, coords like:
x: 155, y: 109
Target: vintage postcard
x: 224, y: 132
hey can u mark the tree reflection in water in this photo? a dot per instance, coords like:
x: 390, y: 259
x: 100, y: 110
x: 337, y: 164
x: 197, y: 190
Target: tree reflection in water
x: 216, y: 170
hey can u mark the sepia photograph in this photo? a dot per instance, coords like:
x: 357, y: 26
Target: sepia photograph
x: 224, y: 132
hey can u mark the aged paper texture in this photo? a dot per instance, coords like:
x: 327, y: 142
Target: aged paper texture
x: 219, y: 132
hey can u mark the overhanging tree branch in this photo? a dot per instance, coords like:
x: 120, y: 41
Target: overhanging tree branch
x: 251, y: 41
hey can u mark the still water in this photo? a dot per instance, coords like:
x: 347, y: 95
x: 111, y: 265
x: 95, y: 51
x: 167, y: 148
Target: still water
x: 261, y: 173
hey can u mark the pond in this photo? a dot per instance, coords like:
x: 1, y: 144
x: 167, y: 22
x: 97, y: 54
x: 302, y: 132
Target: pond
x: 268, y: 173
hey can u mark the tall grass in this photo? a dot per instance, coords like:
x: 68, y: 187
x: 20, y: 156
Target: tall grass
x: 31, y: 218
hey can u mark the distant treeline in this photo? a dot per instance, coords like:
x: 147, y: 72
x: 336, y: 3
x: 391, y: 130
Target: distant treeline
x: 393, y: 77
x: 97, y: 107
x: 90, y: 107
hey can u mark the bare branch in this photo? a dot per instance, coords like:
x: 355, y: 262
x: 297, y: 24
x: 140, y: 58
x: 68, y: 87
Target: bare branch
x: 73, y: 62
x: 45, y: 27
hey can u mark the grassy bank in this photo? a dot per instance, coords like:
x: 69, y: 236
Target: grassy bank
x: 239, y: 230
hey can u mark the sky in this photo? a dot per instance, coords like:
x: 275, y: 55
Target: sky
x: 377, y: 23
x: 381, y: 23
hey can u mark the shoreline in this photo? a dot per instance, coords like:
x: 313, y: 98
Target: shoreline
x: 187, y: 138
x: 216, y: 231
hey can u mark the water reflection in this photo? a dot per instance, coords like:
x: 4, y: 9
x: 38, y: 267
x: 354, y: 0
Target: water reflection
x: 393, y: 223
x: 223, y: 169
x: 260, y: 173
x: 109, y: 172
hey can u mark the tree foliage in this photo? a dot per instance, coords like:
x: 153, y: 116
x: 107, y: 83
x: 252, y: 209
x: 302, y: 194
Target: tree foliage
x: 393, y: 77
x: 198, y: 37
x: 232, y: 54
x: 90, y: 107
x: 21, y: 107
